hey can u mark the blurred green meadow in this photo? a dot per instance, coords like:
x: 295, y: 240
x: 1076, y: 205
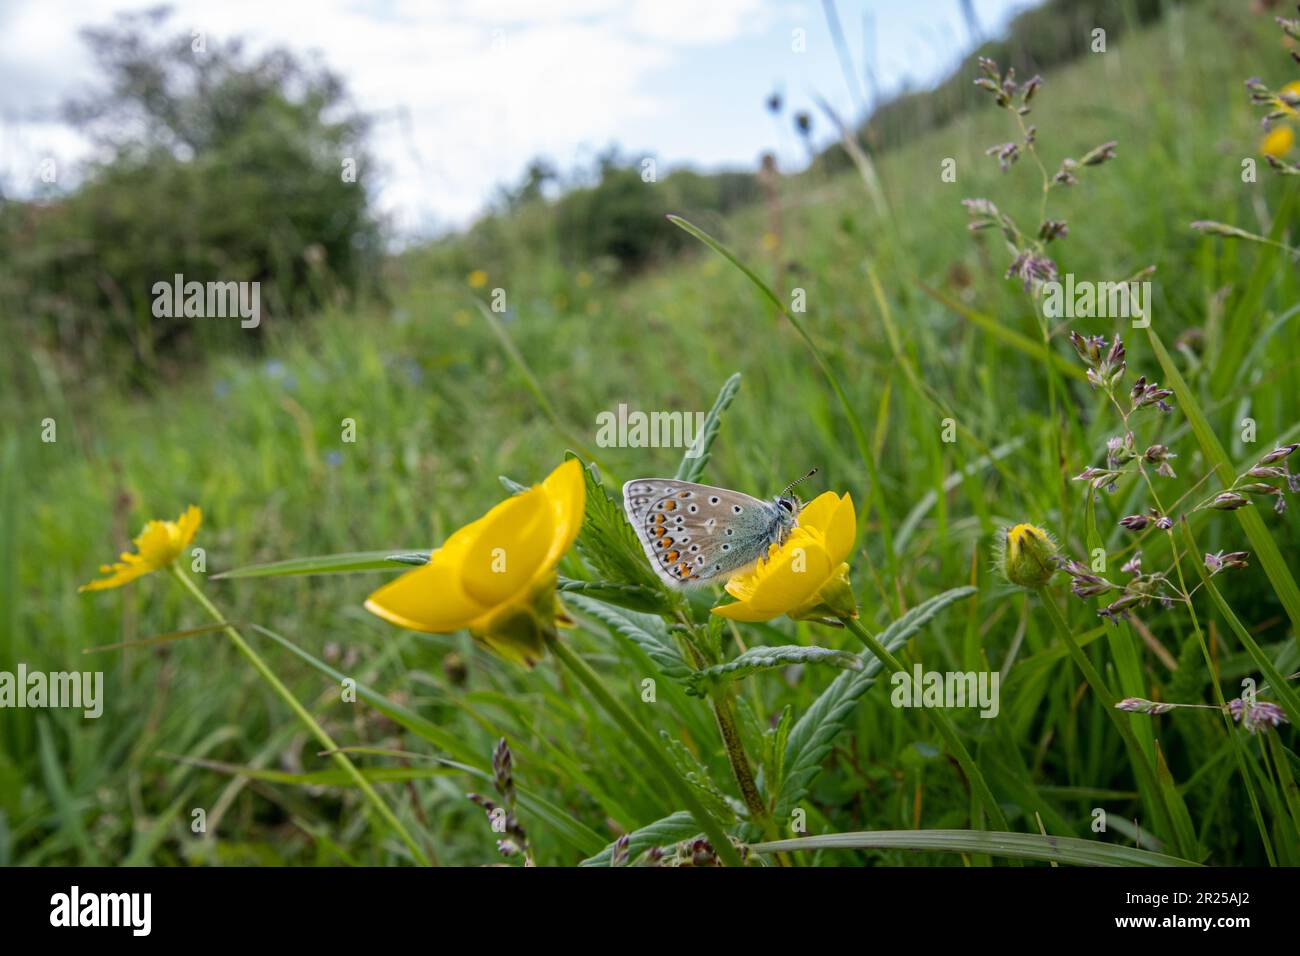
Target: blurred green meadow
x: 916, y: 321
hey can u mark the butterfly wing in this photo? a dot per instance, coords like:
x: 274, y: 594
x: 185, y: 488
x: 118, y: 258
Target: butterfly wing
x: 694, y: 534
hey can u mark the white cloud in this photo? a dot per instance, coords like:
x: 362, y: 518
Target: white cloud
x: 464, y: 92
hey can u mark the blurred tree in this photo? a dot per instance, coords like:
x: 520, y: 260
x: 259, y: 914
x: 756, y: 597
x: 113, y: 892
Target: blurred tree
x: 213, y: 163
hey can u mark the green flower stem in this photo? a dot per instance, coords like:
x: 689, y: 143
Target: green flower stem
x: 648, y: 746
x: 978, y: 784
x: 725, y: 712
x: 310, y: 722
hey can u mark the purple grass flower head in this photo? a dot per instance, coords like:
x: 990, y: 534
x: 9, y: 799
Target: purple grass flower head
x: 1278, y: 454
x: 1100, y: 154
x: 1140, y: 705
x: 1219, y: 561
x: 1159, y: 456
x: 1229, y: 501
x: 1032, y: 270
x: 1258, y: 715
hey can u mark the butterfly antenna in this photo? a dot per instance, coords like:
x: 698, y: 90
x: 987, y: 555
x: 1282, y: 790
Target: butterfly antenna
x: 811, y: 472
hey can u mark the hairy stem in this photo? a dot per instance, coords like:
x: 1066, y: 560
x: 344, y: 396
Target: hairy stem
x: 648, y: 746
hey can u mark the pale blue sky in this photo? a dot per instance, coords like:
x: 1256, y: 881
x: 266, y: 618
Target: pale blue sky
x: 467, y: 91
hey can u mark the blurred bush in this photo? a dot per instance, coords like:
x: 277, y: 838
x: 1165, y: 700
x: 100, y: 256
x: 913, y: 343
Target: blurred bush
x: 609, y: 217
x: 213, y: 163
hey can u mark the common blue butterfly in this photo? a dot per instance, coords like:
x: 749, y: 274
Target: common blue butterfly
x: 694, y: 534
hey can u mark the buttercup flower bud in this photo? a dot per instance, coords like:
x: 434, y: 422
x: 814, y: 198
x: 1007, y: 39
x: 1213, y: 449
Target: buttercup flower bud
x: 1028, y: 556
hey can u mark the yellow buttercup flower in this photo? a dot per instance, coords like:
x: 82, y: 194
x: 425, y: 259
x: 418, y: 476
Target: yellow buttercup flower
x: 808, y: 576
x: 496, y: 576
x: 158, y: 545
x: 477, y: 279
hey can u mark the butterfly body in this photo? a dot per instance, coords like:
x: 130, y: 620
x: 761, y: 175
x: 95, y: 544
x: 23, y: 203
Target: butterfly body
x: 694, y: 534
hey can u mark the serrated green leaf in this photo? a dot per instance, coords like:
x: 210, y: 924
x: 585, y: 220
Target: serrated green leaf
x: 632, y: 596
x: 645, y: 630
x: 697, y: 456
x: 757, y: 659
x: 916, y: 618
x: 813, y: 734
x: 780, y: 740
x: 695, y: 773
x: 609, y: 545
x: 671, y: 829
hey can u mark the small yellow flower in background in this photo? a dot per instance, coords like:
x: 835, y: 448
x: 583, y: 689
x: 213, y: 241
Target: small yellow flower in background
x: 477, y: 279
x: 769, y: 241
x: 808, y: 576
x: 460, y: 317
x: 584, y: 279
x: 1279, y: 141
x: 496, y: 576
x: 1027, y: 556
x: 158, y: 545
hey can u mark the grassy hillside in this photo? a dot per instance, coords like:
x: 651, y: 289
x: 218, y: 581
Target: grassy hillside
x: 441, y: 410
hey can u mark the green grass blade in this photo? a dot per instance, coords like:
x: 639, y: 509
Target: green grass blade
x: 1024, y: 846
x: 1277, y: 680
x: 859, y: 435
x: 697, y: 456
x: 999, y: 330
x: 391, y: 560
x: 1266, y: 549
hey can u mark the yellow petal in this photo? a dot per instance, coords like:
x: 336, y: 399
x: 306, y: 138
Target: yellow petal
x: 817, y: 513
x: 495, y: 576
x: 430, y: 598
x: 743, y: 611
x: 567, y: 489
x: 120, y: 574
x: 158, y: 544
x: 509, y: 549
x: 841, y: 530
x: 791, y: 578
x: 188, y: 525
